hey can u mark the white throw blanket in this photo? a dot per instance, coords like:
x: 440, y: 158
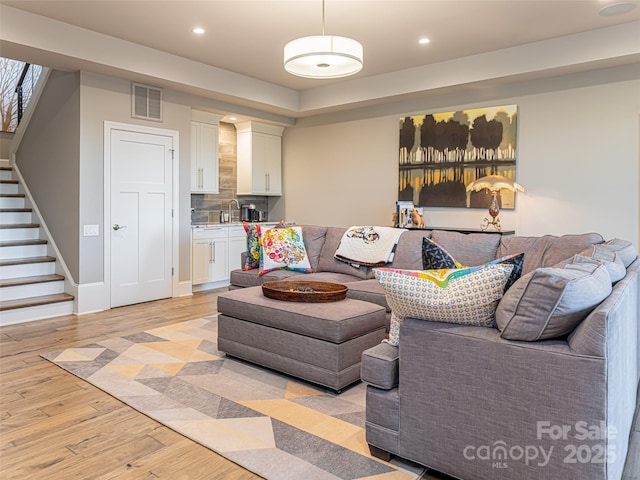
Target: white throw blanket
x: 368, y: 246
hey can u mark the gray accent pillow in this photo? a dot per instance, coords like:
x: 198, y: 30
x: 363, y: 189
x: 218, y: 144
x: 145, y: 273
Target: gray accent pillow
x: 610, y: 259
x: 551, y: 302
x: 625, y: 250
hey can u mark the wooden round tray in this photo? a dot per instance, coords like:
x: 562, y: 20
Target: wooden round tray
x: 304, y: 291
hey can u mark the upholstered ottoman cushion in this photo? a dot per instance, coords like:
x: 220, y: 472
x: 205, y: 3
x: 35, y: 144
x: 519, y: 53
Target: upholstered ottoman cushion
x: 319, y: 342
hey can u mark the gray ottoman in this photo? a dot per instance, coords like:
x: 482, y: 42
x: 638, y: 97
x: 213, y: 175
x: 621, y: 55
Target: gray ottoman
x: 318, y: 342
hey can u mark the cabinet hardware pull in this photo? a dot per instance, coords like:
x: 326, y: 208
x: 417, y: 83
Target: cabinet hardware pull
x: 213, y: 252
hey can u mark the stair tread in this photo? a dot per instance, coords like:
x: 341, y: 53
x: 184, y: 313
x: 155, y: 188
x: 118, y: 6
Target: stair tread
x: 12, y: 195
x: 35, y: 301
x: 6, y: 168
x: 15, y: 210
x: 9, y: 182
x: 20, y: 261
x: 19, y: 225
x: 14, y: 282
x: 23, y: 243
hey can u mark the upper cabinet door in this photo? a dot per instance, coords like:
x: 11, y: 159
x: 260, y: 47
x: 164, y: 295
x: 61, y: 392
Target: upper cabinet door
x: 204, y: 158
x: 259, y: 159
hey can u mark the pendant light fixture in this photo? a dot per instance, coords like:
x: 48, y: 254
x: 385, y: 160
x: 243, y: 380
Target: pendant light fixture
x: 323, y: 56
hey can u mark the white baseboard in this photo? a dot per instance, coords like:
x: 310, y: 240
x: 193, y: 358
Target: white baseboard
x: 90, y: 298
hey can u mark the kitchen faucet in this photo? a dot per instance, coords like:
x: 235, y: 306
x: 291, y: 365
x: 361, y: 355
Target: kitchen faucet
x: 229, y: 207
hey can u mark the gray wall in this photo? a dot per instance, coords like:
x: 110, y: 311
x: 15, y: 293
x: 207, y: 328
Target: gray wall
x: 578, y: 159
x: 49, y: 160
x: 5, y: 142
x: 109, y: 99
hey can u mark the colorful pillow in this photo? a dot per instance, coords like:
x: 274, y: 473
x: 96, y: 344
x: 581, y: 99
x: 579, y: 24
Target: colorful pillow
x: 517, y: 260
x: 283, y: 248
x: 435, y: 257
x: 252, y: 259
x: 467, y: 296
x: 551, y: 302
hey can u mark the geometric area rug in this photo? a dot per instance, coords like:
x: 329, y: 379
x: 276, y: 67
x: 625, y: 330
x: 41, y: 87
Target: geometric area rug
x: 274, y: 425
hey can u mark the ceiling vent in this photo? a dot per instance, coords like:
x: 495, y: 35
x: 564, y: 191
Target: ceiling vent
x: 146, y: 102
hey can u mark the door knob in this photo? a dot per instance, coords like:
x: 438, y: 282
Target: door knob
x: 118, y: 227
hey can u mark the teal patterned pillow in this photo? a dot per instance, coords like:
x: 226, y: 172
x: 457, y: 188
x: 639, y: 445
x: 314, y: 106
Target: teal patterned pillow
x: 467, y: 296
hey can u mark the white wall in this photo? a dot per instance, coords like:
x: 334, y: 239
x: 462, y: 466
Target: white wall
x: 578, y: 158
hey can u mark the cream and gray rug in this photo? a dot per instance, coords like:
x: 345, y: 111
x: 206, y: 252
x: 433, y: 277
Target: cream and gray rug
x: 271, y: 424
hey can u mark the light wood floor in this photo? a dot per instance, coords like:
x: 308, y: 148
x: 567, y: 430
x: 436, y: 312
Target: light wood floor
x: 56, y: 426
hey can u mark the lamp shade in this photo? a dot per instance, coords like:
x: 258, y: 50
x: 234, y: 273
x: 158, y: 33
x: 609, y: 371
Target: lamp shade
x: 494, y: 183
x: 323, y: 56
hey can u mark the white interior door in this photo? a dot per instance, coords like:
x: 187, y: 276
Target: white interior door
x: 140, y: 217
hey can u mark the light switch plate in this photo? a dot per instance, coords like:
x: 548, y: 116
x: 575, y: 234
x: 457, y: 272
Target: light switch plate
x: 91, y: 230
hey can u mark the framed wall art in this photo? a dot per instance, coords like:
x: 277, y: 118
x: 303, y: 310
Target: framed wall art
x: 441, y: 153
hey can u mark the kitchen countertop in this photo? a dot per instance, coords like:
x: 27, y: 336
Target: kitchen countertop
x: 229, y: 224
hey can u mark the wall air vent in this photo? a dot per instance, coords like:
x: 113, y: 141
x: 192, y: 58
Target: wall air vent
x: 146, y: 102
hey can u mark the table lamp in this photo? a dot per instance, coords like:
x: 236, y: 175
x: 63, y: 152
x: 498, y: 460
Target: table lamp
x: 493, y: 183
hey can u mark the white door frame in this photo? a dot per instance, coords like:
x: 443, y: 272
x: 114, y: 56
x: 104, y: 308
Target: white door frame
x: 175, y: 251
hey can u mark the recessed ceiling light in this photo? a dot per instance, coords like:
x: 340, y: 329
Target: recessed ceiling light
x: 423, y: 41
x: 617, y: 9
x: 233, y: 119
x: 198, y: 30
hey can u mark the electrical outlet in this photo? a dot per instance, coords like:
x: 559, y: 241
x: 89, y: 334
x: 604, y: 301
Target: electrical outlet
x: 91, y: 230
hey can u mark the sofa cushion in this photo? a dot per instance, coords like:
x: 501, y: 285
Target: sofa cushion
x: 283, y: 248
x: 467, y: 296
x: 368, y: 291
x: 546, y: 251
x: 250, y: 278
x: 379, y: 366
x: 623, y: 248
x: 408, y: 251
x: 436, y: 257
x: 328, y: 277
x: 314, y: 237
x: 469, y: 248
x: 327, y: 262
x: 551, y: 302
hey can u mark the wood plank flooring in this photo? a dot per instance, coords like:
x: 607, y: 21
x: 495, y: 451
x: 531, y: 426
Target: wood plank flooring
x: 56, y: 426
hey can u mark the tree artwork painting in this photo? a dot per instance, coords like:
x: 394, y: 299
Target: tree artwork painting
x: 441, y: 153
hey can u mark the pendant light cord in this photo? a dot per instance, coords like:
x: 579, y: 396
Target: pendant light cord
x: 323, y: 17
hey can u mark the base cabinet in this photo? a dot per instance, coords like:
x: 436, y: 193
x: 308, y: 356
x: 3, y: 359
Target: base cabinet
x: 210, y: 262
x: 216, y: 250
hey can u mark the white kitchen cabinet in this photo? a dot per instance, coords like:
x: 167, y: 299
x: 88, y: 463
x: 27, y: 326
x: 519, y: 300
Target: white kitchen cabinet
x: 210, y: 255
x: 204, y: 158
x: 259, y: 154
x: 237, y: 245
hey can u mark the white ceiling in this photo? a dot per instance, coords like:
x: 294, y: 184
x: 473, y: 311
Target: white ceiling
x: 247, y: 37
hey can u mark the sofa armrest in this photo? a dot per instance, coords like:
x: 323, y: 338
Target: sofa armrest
x: 462, y: 388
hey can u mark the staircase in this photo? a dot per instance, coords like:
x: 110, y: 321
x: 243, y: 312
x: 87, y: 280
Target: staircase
x: 29, y: 287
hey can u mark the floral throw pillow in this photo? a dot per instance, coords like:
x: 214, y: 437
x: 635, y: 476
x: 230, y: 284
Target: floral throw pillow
x: 252, y: 259
x: 467, y: 296
x: 283, y: 248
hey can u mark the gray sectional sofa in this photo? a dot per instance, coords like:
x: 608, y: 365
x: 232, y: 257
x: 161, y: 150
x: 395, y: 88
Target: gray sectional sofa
x: 468, y: 402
